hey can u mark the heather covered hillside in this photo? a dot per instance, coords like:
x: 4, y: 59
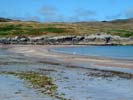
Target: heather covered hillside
x: 9, y: 27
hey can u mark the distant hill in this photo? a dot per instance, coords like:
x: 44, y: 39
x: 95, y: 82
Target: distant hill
x: 5, y: 19
x: 121, y: 27
x: 123, y: 21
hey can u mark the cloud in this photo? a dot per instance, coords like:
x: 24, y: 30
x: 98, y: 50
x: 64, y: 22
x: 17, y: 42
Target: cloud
x: 26, y: 18
x: 116, y: 16
x: 73, y: 19
x: 33, y: 18
x: 129, y: 13
x: 52, y: 14
x: 58, y: 18
x: 85, y: 12
x: 82, y: 15
x: 48, y: 11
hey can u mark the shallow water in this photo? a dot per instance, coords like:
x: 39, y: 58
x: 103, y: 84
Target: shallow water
x: 12, y: 88
x: 122, y: 52
x: 77, y: 85
x: 74, y: 83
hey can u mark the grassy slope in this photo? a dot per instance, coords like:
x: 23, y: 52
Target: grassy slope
x: 119, y: 27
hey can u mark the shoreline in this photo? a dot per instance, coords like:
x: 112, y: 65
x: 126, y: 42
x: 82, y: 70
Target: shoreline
x: 71, y: 74
x: 95, y: 39
x: 83, y: 55
x: 44, y: 55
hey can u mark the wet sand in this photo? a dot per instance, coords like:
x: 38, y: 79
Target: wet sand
x: 46, y: 55
x: 13, y: 88
x: 77, y: 77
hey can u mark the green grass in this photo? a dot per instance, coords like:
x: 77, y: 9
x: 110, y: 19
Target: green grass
x: 8, y: 29
x: 12, y: 30
x: 122, y: 33
x: 36, y: 80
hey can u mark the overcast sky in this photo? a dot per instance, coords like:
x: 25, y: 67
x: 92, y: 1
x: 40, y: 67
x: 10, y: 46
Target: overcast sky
x: 66, y: 10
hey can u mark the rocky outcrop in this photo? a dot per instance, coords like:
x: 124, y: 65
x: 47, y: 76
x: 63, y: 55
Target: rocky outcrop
x: 97, y: 39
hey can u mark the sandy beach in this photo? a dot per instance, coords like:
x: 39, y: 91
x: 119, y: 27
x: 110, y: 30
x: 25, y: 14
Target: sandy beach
x: 44, y: 53
x: 77, y: 77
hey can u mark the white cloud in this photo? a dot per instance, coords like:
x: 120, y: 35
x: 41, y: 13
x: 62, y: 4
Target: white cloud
x: 48, y: 11
x: 85, y: 12
x: 129, y: 13
x: 51, y: 14
x: 116, y: 16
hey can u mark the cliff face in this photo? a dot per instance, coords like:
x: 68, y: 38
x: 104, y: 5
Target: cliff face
x: 98, y: 39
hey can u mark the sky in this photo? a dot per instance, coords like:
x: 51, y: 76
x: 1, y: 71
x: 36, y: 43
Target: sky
x: 66, y: 10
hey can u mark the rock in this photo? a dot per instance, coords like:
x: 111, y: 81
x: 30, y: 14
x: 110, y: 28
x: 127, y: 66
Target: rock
x: 104, y: 37
x: 131, y: 37
x: 21, y: 38
x: 95, y: 39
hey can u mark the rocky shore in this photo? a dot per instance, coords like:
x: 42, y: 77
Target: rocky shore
x: 97, y: 39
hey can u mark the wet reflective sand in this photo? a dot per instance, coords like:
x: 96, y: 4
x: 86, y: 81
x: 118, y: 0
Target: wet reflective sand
x: 74, y: 83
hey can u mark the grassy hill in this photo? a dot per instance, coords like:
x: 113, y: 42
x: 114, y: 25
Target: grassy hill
x: 10, y: 27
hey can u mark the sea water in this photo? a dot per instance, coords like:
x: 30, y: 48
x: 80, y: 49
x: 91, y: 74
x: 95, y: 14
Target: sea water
x: 121, y: 52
